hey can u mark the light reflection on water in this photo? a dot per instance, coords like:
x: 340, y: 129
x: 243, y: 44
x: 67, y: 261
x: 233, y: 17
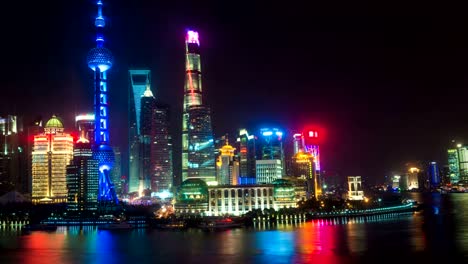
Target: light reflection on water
x: 340, y: 240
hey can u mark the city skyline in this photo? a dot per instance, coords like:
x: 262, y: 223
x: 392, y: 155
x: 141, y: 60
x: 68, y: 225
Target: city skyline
x: 349, y: 94
x: 135, y: 131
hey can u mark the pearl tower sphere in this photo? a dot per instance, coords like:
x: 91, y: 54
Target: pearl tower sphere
x: 99, y: 57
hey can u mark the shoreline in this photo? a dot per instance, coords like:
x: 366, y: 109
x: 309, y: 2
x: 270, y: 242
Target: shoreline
x: 302, y: 216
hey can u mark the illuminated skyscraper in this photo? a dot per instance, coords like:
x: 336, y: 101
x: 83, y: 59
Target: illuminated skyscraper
x: 52, y: 152
x: 458, y: 164
x: 311, y: 140
x: 148, y: 104
x: 463, y: 164
x: 83, y: 178
x: 139, y: 80
x: 454, y: 165
x: 270, y: 163
x: 85, y: 125
x: 201, y: 157
x: 303, y: 167
x: 100, y: 60
x: 192, y: 92
x: 198, y: 159
x: 247, y: 154
x: 271, y: 145
x: 161, y: 150
x: 227, y: 166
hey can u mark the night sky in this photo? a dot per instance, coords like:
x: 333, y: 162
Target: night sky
x: 386, y: 82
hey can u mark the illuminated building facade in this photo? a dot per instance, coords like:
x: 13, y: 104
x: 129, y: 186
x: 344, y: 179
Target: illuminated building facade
x: 161, y: 150
x: 198, y: 159
x: 201, y: 152
x: 270, y: 164
x: 85, y: 125
x: 52, y: 152
x: 454, y: 165
x: 100, y: 60
x: 458, y: 164
x: 233, y: 200
x: 303, y: 167
x: 412, y: 178
x: 192, y: 197
x: 355, y: 191
x: 83, y: 178
x: 271, y: 145
x: 268, y: 170
x: 227, y: 166
x: 139, y: 80
x: 247, y: 155
x: 462, y: 152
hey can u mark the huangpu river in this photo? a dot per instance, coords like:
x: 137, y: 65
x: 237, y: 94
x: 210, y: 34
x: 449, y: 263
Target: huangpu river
x: 437, y: 234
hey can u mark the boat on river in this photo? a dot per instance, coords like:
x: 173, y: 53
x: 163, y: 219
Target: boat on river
x: 173, y: 225
x: 219, y: 224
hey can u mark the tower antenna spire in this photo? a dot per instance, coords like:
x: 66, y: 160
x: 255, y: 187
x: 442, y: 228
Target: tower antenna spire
x: 100, y: 23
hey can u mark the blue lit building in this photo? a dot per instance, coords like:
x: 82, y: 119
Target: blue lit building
x: 434, y: 174
x: 100, y: 60
x: 271, y: 144
x: 270, y: 163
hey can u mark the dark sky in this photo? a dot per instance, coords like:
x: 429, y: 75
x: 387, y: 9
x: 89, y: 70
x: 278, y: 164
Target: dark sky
x: 387, y: 82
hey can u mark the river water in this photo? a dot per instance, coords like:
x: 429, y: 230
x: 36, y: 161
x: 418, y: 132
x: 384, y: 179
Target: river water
x: 439, y: 233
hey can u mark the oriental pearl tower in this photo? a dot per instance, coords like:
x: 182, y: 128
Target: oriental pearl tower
x: 100, y: 60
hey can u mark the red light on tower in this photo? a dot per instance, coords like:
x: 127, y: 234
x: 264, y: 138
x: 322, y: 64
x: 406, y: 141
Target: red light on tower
x: 313, y: 134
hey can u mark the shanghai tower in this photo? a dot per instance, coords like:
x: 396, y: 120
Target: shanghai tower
x: 198, y: 159
x: 100, y: 60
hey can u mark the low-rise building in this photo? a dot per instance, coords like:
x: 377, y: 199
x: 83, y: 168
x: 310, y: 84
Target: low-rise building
x: 196, y: 197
